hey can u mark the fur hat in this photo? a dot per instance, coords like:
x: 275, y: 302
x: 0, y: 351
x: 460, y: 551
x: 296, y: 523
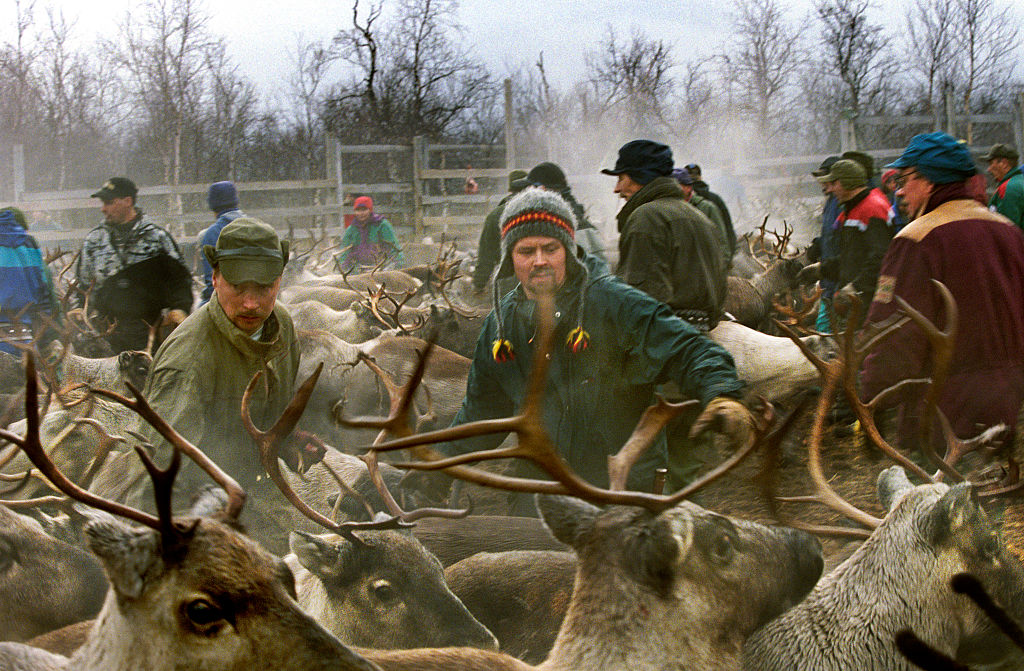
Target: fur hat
x: 537, y: 211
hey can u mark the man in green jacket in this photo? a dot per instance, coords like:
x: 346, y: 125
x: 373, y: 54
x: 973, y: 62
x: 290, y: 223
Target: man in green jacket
x: 710, y: 210
x: 667, y: 248
x: 1008, y: 199
x: 201, y: 371
x: 613, y: 346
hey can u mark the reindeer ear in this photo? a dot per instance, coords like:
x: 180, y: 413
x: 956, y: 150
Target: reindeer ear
x: 892, y: 483
x: 128, y: 555
x: 956, y: 510
x: 319, y: 556
x: 569, y: 519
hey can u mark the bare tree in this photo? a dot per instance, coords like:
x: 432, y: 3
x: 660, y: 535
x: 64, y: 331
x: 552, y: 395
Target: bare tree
x: 763, y: 62
x: 232, y: 110
x: 852, y: 49
x: 930, y: 40
x: 630, y: 80
x: 69, y: 92
x: 415, y: 76
x: 986, y: 36
x: 165, y: 56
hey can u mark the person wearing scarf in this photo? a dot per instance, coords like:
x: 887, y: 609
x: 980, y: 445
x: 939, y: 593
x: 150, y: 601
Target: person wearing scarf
x: 979, y: 256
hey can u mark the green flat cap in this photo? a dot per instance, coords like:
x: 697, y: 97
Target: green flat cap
x: 248, y: 250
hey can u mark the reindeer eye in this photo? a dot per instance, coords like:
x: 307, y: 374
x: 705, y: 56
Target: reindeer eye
x: 202, y: 613
x: 383, y: 590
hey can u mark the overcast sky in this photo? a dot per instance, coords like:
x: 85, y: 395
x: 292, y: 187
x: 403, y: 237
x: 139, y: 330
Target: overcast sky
x: 504, y: 33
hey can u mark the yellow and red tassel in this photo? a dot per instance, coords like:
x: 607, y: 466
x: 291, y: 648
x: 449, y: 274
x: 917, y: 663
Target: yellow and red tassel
x: 501, y: 350
x: 578, y: 340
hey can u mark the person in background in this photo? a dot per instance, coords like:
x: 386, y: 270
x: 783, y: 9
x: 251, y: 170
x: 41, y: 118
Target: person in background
x: 550, y: 176
x: 823, y: 248
x: 979, y: 256
x: 862, y: 230
x: 704, y: 191
x: 369, y: 242
x: 1008, y: 199
x: 132, y: 270
x: 222, y: 199
x: 667, y: 247
x: 488, y: 249
x: 710, y: 210
x: 28, y: 303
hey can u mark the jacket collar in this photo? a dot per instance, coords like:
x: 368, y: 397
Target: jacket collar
x: 659, y: 187
x: 269, y: 344
x: 1010, y: 175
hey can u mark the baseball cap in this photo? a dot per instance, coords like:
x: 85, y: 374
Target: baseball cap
x: 1001, y: 151
x: 847, y: 172
x: 545, y: 174
x: 116, y: 187
x: 248, y: 250
x: 825, y: 166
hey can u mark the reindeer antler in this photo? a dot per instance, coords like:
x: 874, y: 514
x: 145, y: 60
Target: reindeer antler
x: 268, y: 444
x: 536, y: 446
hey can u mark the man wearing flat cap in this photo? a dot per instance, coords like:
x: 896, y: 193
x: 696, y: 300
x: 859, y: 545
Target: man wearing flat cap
x: 201, y: 371
x: 667, y: 248
x: 979, y: 256
x: 861, y: 231
x: 1008, y: 199
x: 131, y: 270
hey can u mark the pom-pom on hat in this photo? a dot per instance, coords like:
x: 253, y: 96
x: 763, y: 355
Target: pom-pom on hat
x: 222, y: 196
x: 538, y: 212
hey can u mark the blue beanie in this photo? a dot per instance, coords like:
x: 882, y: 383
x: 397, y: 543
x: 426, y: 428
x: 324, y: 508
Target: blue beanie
x: 222, y: 196
x: 939, y: 157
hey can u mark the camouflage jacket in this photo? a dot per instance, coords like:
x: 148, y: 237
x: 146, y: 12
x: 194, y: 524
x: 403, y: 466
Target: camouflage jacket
x: 109, y: 249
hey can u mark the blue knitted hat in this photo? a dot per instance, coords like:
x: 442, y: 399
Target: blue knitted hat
x: 222, y: 196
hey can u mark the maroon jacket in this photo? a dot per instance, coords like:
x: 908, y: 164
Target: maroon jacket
x: 979, y: 256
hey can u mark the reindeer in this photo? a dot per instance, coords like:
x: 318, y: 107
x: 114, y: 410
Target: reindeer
x: 662, y: 583
x: 899, y: 577
x: 370, y: 585
x: 45, y: 583
x: 186, y: 594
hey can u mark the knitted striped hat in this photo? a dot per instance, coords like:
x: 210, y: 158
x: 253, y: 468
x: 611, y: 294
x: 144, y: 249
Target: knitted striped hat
x: 537, y: 211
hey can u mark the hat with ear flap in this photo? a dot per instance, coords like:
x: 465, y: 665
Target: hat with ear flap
x: 538, y: 212
x: 248, y: 250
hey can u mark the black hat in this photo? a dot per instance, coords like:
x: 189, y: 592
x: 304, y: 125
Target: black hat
x: 545, y: 174
x: 1001, y: 151
x: 643, y: 160
x: 116, y: 187
x: 825, y: 167
x: 693, y: 169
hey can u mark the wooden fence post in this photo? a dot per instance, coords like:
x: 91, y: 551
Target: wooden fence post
x: 418, y: 165
x: 335, y: 166
x: 510, y: 144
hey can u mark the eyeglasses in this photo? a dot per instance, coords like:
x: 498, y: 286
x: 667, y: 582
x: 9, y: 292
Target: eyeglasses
x: 901, y: 180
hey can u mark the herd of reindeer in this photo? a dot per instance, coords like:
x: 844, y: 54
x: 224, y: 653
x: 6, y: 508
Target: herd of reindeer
x: 799, y: 549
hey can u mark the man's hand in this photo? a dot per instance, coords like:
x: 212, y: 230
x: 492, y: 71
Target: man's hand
x: 728, y: 417
x: 809, y: 274
x: 843, y: 299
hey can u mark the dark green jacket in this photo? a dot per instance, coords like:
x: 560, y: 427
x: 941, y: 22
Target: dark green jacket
x: 200, y: 373
x: 711, y: 211
x: 1008, y: 199
x: 669, y: 250
x: 594, y: 398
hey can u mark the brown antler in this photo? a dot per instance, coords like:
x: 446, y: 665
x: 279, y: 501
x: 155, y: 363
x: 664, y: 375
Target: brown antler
x: 392, y: 318
x: 236, y: 495
x: 268, y: 444
x: 33, y: 449
x: 535, y: 445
